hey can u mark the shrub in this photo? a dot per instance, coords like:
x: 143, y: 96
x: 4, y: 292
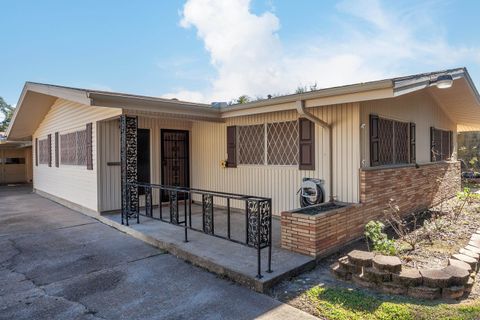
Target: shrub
x: 405, y: 228
x: 379, y: 239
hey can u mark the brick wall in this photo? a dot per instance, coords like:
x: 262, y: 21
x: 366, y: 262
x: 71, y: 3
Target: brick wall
x: 413, y: 188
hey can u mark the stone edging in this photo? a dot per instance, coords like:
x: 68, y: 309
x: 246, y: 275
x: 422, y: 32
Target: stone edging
x: 386, y: 273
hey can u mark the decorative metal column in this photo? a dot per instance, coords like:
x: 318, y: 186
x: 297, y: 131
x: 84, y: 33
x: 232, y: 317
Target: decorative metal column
x: 128, y: 159
x: 259, y: 229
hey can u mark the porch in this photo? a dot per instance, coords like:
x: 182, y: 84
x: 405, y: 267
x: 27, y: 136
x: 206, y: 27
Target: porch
x: 225, y: 258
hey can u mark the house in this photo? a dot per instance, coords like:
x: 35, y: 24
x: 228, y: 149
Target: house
x: 15, y: 161
x: 364, y: 141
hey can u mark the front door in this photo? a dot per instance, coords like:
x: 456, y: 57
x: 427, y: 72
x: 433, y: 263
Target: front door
x: 175, y: 159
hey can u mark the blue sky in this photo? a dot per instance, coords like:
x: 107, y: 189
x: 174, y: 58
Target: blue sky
x: 216, y: 50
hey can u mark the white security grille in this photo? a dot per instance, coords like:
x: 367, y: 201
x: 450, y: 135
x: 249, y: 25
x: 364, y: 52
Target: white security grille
x: 251, y: 144
x: 282, y: 143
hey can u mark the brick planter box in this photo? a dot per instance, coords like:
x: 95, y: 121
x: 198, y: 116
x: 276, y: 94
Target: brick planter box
x: 413, y: 187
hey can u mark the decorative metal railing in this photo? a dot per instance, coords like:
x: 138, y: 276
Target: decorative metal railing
x: 257, y: 210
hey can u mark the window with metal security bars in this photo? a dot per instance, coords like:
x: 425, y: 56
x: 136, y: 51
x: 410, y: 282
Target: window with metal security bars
x: 441, y: 144
x: 282, y: 143
x: 390, y: 141
x: 73, y: 148
x: 251, y: 144
x: 43, y: 152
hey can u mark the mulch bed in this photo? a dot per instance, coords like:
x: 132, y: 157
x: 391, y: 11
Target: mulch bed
x: 448, y: 239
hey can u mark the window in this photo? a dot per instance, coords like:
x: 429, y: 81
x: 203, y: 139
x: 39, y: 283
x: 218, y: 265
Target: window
x: 251, y: 144
x: 391, y: 141
x: 441, y: 145
x: 73, y: 148
x: 282, y: 143
x: 43, y: 151
x: 14, y: 161
x: 277, y: 143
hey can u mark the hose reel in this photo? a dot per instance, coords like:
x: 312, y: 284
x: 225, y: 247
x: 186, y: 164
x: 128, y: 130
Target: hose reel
x: 311, y: 192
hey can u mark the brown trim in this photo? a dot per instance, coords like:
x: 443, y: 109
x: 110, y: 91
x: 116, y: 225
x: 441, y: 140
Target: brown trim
x: 57, y: 155
x: 306, y: 144
x: 49, y: 144
x: 89, y: 146
x: 232, y: 146
x: 413, y: 143
x: 374, y: 141
x: 36, y: 152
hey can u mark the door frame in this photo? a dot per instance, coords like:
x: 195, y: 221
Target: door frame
x: 187, y: 162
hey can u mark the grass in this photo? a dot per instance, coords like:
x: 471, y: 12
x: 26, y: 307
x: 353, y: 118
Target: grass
x: 348, y: 304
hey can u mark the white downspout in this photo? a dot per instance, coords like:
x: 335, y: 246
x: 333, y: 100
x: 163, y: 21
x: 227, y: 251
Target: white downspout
x: 302, y: 111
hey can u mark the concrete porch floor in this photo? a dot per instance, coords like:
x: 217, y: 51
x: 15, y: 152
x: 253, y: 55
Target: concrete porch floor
x: 225, y: 258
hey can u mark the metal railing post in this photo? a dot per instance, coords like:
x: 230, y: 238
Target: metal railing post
x: 246, y: 222
x: 185, y: 194
x: 259, y: 250
x: 228, y: 218
x: 269, y: 270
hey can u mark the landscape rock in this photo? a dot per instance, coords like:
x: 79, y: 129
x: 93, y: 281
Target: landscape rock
x: 473, y: 249
x: 378, y: 276
x: 475, y: 237
x: 387, y: 263
x: 474, y: 243
x: 471, y: 261
x: 360, y: 280
x: 454, y: 292
x: 435, y: 278
x: 339, y: 272
x: 361, y: 258
x: 459, y: 264
x: 349, y: 266
x: 407, y: 277
x: 424, y: 293
x: 469, y: 285
x: 469, y: 253
x: 459, y: 276
x: 393, y: 288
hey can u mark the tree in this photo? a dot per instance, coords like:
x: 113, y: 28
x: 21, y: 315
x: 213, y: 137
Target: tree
x: 243, y: 99
x: 6, y: 111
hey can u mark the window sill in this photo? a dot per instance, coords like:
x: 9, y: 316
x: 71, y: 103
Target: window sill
x: 405, y: 165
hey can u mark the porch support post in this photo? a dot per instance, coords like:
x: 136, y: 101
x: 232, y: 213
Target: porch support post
x: 128, y: 159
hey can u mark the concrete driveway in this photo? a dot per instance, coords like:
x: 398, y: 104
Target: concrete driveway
x: 56, y: 263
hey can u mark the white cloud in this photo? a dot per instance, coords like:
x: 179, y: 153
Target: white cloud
x: 372, y: 42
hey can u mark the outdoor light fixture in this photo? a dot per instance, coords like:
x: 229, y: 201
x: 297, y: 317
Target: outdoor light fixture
x: 444, y: 81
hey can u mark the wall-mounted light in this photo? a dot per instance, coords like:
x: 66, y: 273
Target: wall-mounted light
x: 444, y: 81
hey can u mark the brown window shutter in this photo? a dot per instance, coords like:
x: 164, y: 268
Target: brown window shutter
x: 232, y: 146
x: 374, y: 141
x: 450, y: 136
x: 413, y: 143
x: 36, y: 152
x: 89, y: 147
x: 57, y: 157
x: 49, y: 144
x: 306, y: 144
x: 432, y: 144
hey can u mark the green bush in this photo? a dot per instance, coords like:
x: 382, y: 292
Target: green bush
x: 379, y: 239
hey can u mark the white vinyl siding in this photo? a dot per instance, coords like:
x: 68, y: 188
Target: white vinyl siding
x: 73, y: 183
x: 419, y: 108
x: 280, y: 182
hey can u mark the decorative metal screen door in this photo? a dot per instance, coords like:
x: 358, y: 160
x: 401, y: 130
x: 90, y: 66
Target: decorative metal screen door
x: 175, y: 160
